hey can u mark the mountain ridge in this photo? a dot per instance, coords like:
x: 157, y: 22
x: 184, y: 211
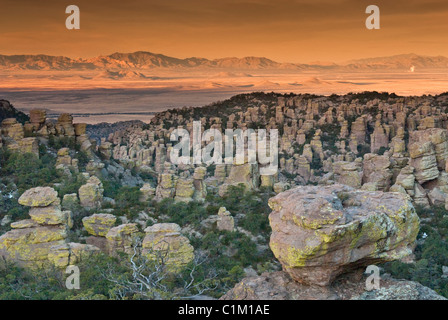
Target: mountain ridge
x: 142, y: 60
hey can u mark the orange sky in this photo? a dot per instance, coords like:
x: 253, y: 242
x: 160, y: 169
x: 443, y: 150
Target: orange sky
x: 283, y: 30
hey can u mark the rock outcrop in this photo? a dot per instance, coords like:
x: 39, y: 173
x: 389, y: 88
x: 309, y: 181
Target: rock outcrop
x: 319, y: 233
x: 99, y: 224
x: 164, y: 243
x: 280, y: 286
x: 41, y: 240
x: 225, y: 220
x: 121, y: 238
x: 91, y: 194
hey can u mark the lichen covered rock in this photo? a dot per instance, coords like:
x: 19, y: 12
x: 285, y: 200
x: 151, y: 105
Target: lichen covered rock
x: 120, y: 239
x: 41, y: 240
x: 91, y: 194
x: 70, y: 253
x: 164, y: 240
x: 39, y: 197
x: 319, y: 233
x: 51, y: 215
x: 30, y: 246
x: 99, y: 224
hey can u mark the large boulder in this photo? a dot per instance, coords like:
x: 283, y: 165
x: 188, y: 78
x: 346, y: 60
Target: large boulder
x: 30, y: 245
x: 163, y: 241
x: 51, y: 215
x: 39, y: 197
x: 319, y: 233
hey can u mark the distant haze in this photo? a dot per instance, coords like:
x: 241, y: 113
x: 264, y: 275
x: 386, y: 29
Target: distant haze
x: 128, y: 86
x: 132, y: 58
x: 282, y: 30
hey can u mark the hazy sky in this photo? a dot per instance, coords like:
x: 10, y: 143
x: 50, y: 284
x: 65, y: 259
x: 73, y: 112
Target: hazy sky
x: 283, y: 30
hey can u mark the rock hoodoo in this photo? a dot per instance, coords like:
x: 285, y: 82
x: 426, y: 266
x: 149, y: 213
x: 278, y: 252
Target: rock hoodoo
x: 319, y: 233
x: 43, y: 238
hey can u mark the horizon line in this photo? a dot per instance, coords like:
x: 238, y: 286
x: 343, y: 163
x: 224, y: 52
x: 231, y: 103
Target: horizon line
x: 225, y: 57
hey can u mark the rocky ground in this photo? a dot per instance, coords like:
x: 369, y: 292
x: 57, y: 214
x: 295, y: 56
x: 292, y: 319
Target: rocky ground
x: 352, y: 171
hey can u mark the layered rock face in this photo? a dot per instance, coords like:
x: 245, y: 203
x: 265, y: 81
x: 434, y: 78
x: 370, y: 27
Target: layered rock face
x: 424, y: 161
x: 319, y: 233
x: 25, y: 138
x: 41, y: 240
x: 376, y: 172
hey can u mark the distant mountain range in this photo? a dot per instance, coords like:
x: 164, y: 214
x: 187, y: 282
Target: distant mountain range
x: 120, y: 64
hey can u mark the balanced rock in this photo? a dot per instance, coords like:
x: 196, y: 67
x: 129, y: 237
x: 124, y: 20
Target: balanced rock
x: 39, y: 197
x: 319, y: 233
x: 38, y: 117
x: 51, y: 215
